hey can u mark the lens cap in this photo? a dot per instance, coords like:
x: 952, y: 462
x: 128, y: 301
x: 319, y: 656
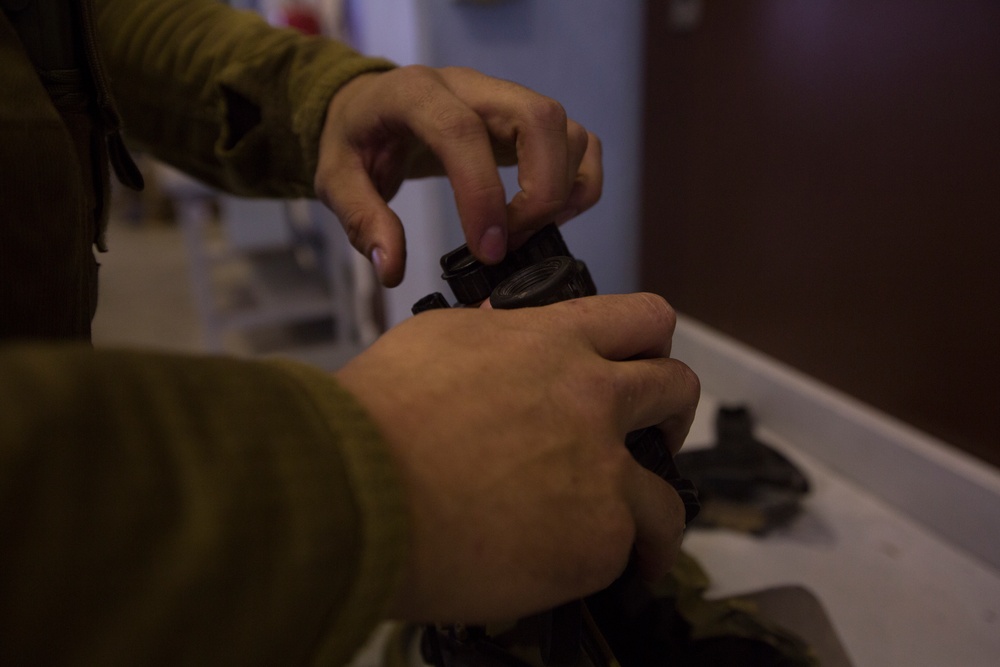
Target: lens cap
x: 549, y: 281
x: 471, y: 281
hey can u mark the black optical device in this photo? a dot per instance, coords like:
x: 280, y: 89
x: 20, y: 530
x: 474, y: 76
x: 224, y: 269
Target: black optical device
x: 542, y: 272
x: 539, y: 273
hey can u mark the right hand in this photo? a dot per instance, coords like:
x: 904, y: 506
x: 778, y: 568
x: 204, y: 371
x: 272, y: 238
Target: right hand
x: 415, y: 121
x: 509, y: 428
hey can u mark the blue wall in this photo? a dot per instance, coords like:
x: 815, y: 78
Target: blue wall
x: 588, y: 55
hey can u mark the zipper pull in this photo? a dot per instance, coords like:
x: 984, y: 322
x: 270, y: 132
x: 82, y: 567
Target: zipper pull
x: 124, y: 166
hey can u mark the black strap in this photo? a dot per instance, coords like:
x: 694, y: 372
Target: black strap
x: 121, y: 160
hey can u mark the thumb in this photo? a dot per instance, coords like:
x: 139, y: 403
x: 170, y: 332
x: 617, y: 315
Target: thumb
x: 372, y: 227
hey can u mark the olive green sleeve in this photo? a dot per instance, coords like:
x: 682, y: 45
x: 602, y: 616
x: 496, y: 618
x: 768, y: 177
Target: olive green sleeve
x: 221, y: 94
x: 188, y: 510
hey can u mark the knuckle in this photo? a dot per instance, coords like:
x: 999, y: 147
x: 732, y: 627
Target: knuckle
x: 546, y: 204
x: 458, y: 124
x: 355, y: 224
x: 578, y: 138
x: 324, y: 178
x: 417, y: 85
x: 618, y: 390
x: 320, y: 187
x: 547, y: 112
x: 419, y: 73
x: 594, y: 142
x: 457, y: 71
x: 585, y: 194
x: 487, y: 194
x: 662, y: 312
x: 690, y: 380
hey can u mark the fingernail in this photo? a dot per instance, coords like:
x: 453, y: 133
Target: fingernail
x: 378, y: 260
x: 493, y: 244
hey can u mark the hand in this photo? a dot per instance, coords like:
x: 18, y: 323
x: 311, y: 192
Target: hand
x: 509, y: 428
x: 417, y: 121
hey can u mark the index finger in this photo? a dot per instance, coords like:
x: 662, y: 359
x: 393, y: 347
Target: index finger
x: 459, y: 138
x: 657, y: 392
x: 637, y: 329
x: 555, y: 156
x: 622, y: 326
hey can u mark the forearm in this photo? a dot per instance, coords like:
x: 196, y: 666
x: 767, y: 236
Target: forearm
x: 221, y: 94
x: 192, y: 509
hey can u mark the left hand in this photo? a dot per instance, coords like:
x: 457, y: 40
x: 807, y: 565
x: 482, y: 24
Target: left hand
x: 508, y: 428
x: 416, y: 121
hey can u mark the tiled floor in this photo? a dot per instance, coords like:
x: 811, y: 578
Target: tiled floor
x: 145, y: 290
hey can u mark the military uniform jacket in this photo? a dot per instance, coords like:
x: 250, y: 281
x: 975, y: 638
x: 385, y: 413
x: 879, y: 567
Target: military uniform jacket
x: 158, y: 508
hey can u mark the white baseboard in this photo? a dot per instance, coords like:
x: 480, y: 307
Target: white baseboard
x: 948, y: 491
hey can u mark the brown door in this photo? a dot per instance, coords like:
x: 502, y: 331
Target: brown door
x: 822, y: 182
